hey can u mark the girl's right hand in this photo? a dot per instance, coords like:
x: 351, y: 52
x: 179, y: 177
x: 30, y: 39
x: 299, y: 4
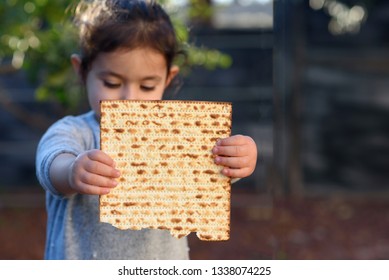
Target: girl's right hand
x: 93, y: 172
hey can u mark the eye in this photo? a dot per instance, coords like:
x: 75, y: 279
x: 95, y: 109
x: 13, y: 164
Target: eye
x: 111, y: 85
x: 147, y: 88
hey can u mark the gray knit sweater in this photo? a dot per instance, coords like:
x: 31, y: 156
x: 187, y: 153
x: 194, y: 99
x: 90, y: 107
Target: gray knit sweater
x: 73, y: 227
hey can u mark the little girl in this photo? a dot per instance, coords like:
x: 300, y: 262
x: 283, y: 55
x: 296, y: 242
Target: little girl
x: 127, y: 52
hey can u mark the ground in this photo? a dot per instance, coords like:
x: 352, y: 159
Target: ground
x: 262, y: 227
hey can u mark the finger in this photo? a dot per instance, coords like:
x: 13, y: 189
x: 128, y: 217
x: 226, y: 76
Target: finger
x: 84, y: 188
x: 233, y: 162
x: 97, y: 167
x: 100, y: 156
x: 236, y: 173
x: 231, y: 151
x: 100, y: 163
x: 236, y: 140
x: 97, y: 180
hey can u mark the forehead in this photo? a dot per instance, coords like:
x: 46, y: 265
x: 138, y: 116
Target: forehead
x: 140, y: 61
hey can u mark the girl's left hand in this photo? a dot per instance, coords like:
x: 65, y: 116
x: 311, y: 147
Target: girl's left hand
x: 238, y: 155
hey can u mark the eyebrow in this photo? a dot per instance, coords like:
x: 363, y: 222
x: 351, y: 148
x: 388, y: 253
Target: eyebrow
x: 110, y: 73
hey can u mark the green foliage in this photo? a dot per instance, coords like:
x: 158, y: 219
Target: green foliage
x: 201, y: 10
x: 38, y: 36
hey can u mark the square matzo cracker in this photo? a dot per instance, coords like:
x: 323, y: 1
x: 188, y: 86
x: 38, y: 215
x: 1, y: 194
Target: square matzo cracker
x: 168, y: 176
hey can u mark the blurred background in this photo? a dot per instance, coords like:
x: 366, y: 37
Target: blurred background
x: 308, y: 80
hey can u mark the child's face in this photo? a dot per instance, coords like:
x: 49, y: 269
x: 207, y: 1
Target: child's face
x: 139, y: 74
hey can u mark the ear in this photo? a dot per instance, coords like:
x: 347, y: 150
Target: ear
x: 76, y: 63
x: 174, y: 70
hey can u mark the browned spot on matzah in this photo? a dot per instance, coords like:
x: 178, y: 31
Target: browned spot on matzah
x: 169, y: 180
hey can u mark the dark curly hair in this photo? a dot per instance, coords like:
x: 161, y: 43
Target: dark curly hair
x: 109, y: 25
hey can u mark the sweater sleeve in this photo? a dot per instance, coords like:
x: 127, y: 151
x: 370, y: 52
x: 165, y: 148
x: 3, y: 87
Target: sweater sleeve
x: 69, y: 135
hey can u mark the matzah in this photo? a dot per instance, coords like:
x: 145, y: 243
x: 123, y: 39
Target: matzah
x: 169, y: 180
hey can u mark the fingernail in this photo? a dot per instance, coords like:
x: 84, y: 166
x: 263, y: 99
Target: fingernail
x: 218, y: 142
x: 215, y: 150
x: 217, y: 160
x: 117, y: 173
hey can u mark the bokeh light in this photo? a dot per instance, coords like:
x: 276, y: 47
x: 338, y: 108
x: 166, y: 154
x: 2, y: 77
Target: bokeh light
x: 344, y: 19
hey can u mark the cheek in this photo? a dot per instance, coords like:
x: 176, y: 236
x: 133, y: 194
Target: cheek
x: 157, y: 96
x: 159, y: 93
x: 94, y: 102
x: 94, y: 96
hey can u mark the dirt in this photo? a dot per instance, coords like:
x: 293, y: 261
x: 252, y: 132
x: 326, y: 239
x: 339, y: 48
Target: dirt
x: 310, y: 228
x: 262, y: 227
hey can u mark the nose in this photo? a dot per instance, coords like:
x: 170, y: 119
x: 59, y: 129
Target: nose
x: 130, y: 93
